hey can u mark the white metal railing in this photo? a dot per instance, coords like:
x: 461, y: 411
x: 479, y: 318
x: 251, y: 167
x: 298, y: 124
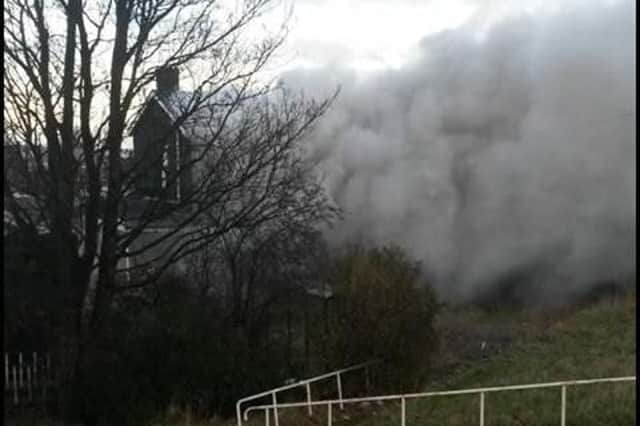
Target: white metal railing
x: 307, y: 384
x: 404, y: 397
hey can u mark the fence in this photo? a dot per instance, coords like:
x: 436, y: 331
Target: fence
x: 27, y: 379
x: 404, y: 397
x: 307, y: 384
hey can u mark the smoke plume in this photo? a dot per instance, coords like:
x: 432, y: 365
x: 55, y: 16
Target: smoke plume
x: 505, y: 155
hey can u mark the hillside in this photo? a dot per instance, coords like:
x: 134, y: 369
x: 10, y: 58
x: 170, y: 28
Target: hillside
x: 593, y: 341
x: 520, y: 346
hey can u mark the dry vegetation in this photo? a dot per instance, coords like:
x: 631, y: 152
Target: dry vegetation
x: 522, y: 347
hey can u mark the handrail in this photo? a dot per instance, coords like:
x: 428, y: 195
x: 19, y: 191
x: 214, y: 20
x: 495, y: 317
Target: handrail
x: 306, y: 383
x: 481, y: 391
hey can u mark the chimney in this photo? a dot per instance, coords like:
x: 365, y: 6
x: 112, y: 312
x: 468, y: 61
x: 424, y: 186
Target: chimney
x: 167, y: 80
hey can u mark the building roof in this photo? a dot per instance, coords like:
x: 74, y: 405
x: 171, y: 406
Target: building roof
x: 205, y: 112
x: 322, y: 293
x: 319, y: 289
x: 29, y: 210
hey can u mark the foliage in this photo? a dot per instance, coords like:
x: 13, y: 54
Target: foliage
x: 384, y: 310
x: 181, y: 351
x: 32, y: 299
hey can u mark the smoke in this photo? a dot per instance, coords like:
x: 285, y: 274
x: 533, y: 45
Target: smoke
x: 505, y: 155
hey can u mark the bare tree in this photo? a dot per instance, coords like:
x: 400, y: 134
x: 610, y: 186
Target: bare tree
x: 77, y: 75
x: 268, y: 260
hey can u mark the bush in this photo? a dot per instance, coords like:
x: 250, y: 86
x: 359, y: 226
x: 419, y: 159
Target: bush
x: 384, y: 310
x: 181, y: 351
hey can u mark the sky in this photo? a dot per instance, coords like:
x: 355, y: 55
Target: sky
x: 493, y: 140
x: 367, y: 35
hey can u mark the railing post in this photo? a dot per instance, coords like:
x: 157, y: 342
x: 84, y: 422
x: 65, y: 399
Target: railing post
x: 309, y: 410
x: 329, y: 415
x: 276, y: 422
x: 340, y: 390
x: 481, y: 408
x: 403, y: 412
x: 239, y: 414
x: 563, y: 413
x: 266, y: 417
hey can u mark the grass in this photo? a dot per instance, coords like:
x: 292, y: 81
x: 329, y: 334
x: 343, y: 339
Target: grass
x: 598, y: 341
x: 541, y: 345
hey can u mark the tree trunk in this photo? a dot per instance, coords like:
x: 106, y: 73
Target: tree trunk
x: 74, y: 397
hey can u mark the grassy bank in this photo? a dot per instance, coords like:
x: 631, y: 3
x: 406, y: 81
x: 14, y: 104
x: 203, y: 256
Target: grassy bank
x: 523, y: 346
x: 596, y: 341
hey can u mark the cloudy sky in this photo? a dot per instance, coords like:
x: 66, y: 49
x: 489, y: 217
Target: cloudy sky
x: 494, y: 140
x: 367, y: 34
x: 375, y: 34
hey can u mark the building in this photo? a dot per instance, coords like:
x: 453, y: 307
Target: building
x: 168, y: 137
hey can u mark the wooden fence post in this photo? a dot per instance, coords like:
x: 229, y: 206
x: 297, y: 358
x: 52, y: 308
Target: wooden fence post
x: 29, y: 384
x: 20, y: 375
x: 23, y: 375
x: 35, y: 369
x: 6, y: 372
x: 15, y: 385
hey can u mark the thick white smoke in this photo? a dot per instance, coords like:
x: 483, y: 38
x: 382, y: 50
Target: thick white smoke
x: 503, y: 156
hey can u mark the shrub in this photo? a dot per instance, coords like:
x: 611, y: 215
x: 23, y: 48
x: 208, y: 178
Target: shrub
x: 384, y: 310
x: 181, y: 351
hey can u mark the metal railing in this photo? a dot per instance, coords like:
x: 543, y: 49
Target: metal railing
x: 307, y: 384
x: 404, y: 397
